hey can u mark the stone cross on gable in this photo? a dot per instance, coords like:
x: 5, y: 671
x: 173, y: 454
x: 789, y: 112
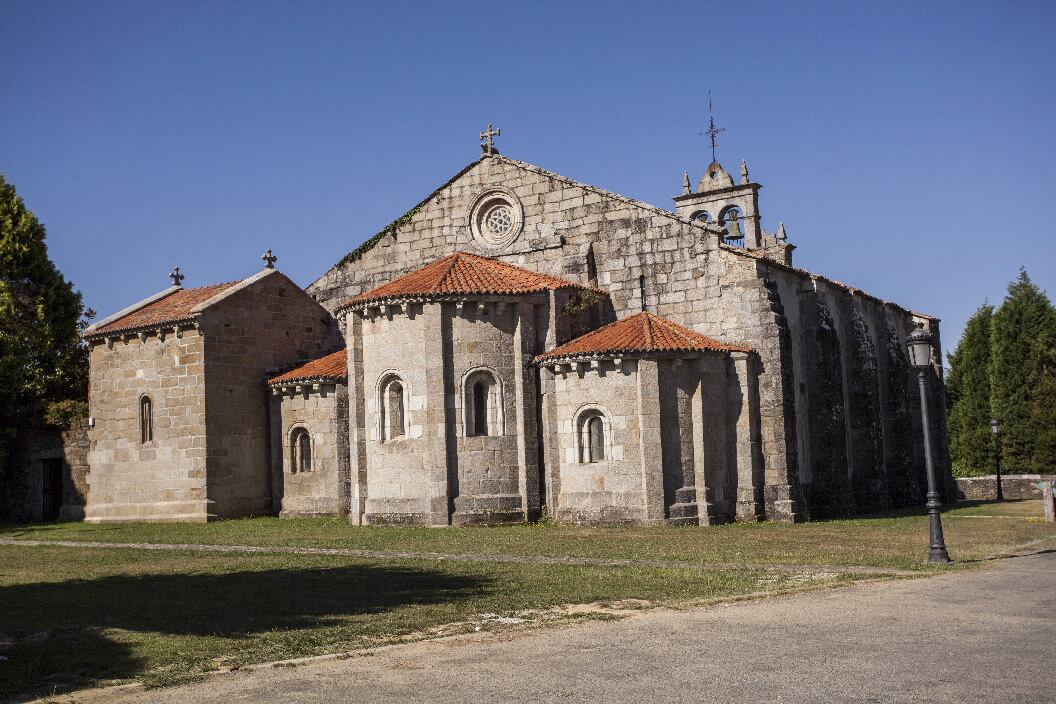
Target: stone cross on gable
x: 176, y: 276
x: 269, y: 259
x: 487, y: 137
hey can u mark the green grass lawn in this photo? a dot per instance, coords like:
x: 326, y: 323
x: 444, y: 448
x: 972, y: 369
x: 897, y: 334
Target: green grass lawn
x: 973, y: 531
x: 71, y: 617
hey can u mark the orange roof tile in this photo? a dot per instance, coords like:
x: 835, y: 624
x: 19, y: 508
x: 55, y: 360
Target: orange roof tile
x: 174, y: 307
x: 641, y: 333
x: 332, y: 367
x: 464, y: 274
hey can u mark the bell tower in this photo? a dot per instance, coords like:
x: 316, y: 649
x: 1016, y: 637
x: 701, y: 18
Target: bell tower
x: 719, y: 202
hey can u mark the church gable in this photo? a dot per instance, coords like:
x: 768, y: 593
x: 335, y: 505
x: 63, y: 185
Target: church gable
x: 522, y: 214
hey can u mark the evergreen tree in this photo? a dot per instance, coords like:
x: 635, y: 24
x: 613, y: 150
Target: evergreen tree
x: 41, y: 355
x: 1043, y: 403
x: 968, y: 399
x: 1024, y: 316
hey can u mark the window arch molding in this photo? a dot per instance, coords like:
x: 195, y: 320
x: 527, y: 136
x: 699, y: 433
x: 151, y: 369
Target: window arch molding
x: 301, y: 449
x: 592, y: 434
x: 482, y: 384
x: 391, y: 394
x: 702, y: 216
x: 146, y: 419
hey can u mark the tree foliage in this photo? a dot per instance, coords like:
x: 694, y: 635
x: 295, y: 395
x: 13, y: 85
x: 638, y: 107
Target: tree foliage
x: 972, y: 445
x: 1025, y: 316
x: 1005, y: 368
x: 42, y: 358
x: 1043, y: 402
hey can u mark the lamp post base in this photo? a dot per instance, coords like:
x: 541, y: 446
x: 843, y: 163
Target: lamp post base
x: 939, y: 555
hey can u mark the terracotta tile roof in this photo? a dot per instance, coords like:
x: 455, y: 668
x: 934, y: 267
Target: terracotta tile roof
x: 641, y: 333
x: 174, y: 307
x: 332, y: 367
x: 464, y: 274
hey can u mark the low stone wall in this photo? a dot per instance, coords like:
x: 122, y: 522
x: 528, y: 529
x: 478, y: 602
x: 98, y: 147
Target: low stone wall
x: 48, y: 475
x: 1013, y: 486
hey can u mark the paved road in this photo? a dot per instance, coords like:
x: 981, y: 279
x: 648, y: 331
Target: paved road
x: 983, y: 636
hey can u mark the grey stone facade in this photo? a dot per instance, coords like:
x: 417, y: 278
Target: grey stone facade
x: 320, y: 410
x: 48, y: 475
x: 836, y: 399
x: 208, y: 454
x: 805, y: 406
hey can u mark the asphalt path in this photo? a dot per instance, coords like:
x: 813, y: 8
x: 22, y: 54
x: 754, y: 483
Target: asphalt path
x: 985, y: 635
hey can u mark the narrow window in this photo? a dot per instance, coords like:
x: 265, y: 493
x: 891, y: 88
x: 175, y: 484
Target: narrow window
x: 146, y: 419
x: 304, y: 452
x: 480, y: 408
x: 592, y: 266
x: 301, y: 451
x: 591, y: 432
x: 596, y: 433
x: 393, y: 413
x: 482, y: 401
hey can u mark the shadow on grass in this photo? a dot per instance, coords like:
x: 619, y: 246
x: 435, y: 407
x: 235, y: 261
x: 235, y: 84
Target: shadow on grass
x: 905, y: 511
x: 51, y: 634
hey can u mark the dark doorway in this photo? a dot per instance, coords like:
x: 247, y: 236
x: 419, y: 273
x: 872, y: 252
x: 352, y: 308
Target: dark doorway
x: 52, y: 494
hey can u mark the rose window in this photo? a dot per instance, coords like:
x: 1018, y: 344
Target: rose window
x: 499, y: 220
x: 495, y: 218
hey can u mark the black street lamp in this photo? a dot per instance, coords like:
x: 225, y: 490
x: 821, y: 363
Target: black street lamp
x: 995, y: 428
x: 919, y: 344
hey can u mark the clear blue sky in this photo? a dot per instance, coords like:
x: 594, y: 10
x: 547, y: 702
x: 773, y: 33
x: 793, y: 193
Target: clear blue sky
x: 909, y: 150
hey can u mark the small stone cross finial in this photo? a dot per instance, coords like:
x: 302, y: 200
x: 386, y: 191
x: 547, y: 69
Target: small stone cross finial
x: 269, y: 259
x: 487, y: 137
x: 176, y: 276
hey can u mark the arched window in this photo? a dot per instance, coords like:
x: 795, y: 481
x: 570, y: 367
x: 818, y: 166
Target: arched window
x: 146, y: 419
x: 591, y: 432
x: 483, y: 404
x: 300, y: 451
x: 393, y: 409
x: 701, y: 216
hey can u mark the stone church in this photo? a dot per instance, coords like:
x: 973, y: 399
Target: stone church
x: 516, y: 345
